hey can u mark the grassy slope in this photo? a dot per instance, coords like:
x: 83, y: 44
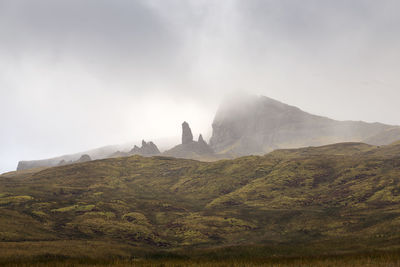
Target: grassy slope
x: 324, y: 200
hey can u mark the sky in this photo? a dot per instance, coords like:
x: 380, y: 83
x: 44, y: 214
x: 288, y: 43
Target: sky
x: 76, y: 75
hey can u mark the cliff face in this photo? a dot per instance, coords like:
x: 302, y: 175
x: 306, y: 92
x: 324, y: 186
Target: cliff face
x: 258, y: 124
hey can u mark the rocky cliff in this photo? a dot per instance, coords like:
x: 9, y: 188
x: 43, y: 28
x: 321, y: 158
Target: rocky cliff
x: 258, y: 124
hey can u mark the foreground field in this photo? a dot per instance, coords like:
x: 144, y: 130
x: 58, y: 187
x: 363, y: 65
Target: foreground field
x: 384, y: 259
x: 330, y: 200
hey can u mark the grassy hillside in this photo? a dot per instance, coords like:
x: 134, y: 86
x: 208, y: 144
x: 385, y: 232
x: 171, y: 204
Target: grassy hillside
x: 335, y: 199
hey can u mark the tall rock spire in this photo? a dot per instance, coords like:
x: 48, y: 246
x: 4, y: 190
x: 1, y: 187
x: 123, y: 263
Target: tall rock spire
x: 201, y: 140
x: 187, y: 136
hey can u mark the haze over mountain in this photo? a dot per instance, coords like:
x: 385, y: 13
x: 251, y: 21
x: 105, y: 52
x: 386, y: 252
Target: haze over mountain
x: 76, y: 75
x: 252, y: 125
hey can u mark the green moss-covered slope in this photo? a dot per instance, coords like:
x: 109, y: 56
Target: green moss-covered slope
x: 320, y: 197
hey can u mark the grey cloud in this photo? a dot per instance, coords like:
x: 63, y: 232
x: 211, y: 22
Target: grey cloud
x: 118, y: 37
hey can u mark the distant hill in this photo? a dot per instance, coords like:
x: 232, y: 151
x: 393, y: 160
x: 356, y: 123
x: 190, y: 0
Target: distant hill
x: 249, y: 125
x: 98, y: 153
x: 385, y: 137
x: 110, y: 151
x: 331, y: 199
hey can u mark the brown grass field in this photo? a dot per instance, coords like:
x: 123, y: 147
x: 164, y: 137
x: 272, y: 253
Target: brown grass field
x: 336, y: 205
x: 385, y: 259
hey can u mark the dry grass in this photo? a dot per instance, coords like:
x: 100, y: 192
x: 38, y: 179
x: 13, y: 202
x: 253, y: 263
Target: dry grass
x: 386, y: 259
x: 342, y: 198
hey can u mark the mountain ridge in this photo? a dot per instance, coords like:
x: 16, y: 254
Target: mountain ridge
x: 254, y: 125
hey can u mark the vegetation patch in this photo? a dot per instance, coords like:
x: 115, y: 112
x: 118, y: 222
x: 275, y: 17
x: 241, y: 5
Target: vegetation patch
x: 75, y: 207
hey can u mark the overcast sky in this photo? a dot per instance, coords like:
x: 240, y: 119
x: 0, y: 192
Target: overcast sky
x: 80, y: 74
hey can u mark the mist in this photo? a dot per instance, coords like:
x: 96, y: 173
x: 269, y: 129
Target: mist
x: 76, y: 75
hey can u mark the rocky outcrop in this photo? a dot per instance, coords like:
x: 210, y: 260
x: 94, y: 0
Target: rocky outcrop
x: 136, y: 150
x: 84, y: 158
x: 190, y: 148
x: 257, y: 125
x: 30, y: 164
x: 187, y: 136
x: 201, y: 140
x: 147, y: 149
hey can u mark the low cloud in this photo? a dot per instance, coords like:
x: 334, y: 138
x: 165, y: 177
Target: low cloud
x: 79, y: 74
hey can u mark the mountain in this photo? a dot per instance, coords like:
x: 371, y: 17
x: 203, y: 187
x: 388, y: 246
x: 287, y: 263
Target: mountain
x: 385, y: 137
x: 310, y: 201
x: 249, y: 125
